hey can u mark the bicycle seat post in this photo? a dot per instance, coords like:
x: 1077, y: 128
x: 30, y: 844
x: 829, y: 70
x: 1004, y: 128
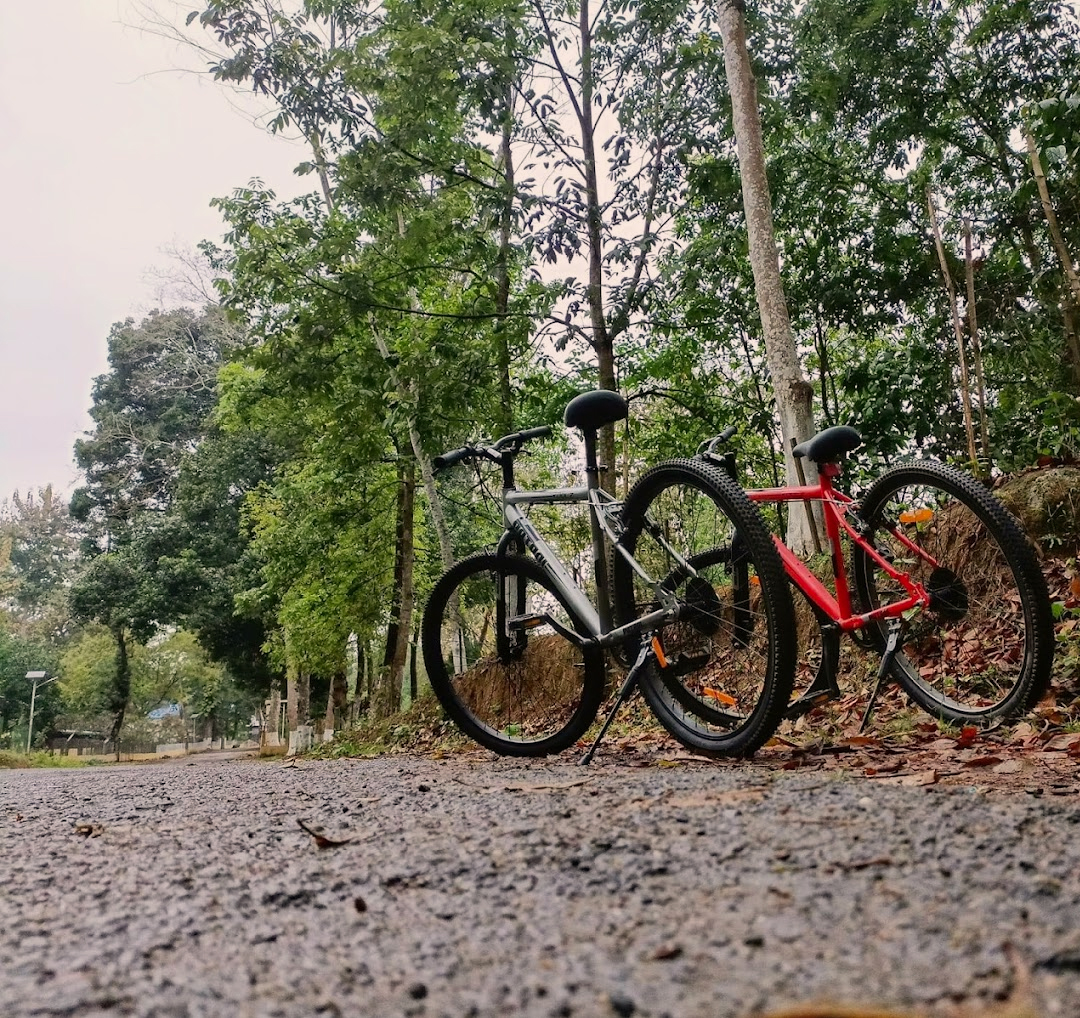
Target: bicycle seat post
x: 590, y: 412
x: 592, y: 482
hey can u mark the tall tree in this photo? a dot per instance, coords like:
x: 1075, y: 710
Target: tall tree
x: 793, y: 393
x: 150, y: 411
x: 41, y: 542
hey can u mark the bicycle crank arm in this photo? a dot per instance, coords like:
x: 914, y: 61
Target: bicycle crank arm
x: 684, y: 664
x: 526, y: 622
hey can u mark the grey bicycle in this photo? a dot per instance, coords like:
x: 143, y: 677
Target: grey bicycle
x: 519, y: 654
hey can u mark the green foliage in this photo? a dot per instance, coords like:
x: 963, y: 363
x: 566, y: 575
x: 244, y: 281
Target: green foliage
x: 39, y: 542
x: 865, y: 105
x: 22, y: 761
x: 243, y: 475
x: 151, y: 410
x: 19, y: 655
x: 171, y: 670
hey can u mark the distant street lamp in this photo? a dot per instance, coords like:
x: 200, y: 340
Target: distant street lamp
x: 33, y: 696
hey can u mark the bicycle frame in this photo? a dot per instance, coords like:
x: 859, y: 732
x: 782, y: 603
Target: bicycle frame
x: 835, y: 507
x: 603, y: 507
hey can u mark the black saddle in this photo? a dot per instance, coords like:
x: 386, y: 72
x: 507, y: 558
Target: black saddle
x: 592, y: 410
x: 829, y: 445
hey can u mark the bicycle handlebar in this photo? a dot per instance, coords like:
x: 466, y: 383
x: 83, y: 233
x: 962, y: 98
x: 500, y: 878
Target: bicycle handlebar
x: 710, y: 444
x: 520, y: 437
x: 448, y: 459
x: 507, y: 445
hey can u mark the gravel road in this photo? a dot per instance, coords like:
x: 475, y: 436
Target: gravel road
x: 487, y: 887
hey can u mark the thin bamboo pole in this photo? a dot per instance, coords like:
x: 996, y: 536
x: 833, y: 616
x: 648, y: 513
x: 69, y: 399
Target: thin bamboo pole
x: 976, y: 345
x: 1063, y: 252
x: 965, y: 391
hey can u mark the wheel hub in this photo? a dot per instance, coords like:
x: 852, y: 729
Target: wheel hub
x: 948, y: 594
x: 700, y: 606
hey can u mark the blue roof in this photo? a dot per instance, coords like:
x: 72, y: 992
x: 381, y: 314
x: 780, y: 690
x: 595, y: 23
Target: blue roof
x: 166, y: 710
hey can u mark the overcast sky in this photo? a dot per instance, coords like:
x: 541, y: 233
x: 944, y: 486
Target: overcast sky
x: 109, y: 155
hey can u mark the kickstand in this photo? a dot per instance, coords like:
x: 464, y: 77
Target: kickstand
x: 892, y: 644
x: 624, y: 692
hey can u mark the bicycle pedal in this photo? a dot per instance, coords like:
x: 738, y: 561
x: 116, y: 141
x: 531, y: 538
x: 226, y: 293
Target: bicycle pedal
x: 683, y: 664
x: 808, y: 701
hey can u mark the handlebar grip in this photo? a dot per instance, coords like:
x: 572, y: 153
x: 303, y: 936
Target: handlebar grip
x: 728, y: 432
x: 518, y: 437
x: 448, y: 459
x: 542, y: 432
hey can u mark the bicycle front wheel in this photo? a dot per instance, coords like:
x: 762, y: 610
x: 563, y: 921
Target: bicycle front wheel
x: 499, y: 659
x: 983, y: 649
x: 730, y: 657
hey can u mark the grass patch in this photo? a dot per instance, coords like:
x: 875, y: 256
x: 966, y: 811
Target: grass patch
x: 22, y: 761
x: 420, y: 728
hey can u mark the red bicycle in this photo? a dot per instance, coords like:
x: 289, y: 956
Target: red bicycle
x: 928, y: 569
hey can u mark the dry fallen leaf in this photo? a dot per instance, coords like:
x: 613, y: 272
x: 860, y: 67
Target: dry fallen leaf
x: 321, y: 839
x: 968, y: 735
x: 551, y: 787
x: 1009, y: 767
x: 920, y: 778
x: 89, y: 830
x: 1066, y: 742
x: 1023, y: 731
x: 668, y: 952
x: 889, y: 767
x: 982, y: 761
x: 839, y: 1011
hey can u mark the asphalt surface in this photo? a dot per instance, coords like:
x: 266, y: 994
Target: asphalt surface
x: 487, y: 887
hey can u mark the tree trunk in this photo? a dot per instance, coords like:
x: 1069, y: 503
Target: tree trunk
x: 121, y: 691
x: 362, y: 693
x: 303, y: 697
x: 404, y: 502
x: 397, y: 651
x: 414, y: 689
x: 270, y: 736
x: 352, y: 667
x: 601, y: 338
x: 438, y: 517
x: 792, y: 392
x: 502, y: 306
x: 292, y: 673
x: 336, y: 701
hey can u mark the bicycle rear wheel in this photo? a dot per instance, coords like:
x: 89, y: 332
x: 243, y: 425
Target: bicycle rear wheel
x: 983, y: 649
x: 730, y: 657
x: 500, y: 662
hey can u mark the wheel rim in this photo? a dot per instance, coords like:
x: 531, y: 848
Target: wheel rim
x: 522, y: 682
x: 719, y: 653
x: 966, y: 654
